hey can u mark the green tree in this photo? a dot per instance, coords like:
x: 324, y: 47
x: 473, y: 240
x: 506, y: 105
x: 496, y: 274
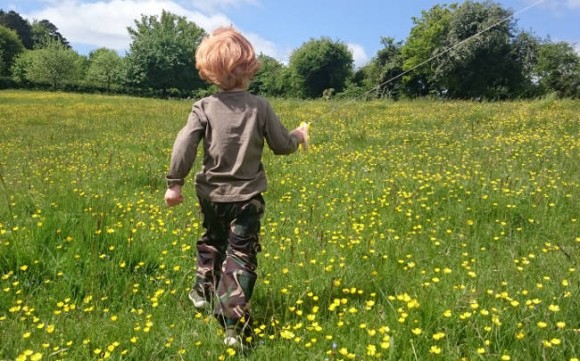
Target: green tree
x: 54, y: 64
x: 14, y: 21
x: 19, y: 66
x: 10, y: 47
x: 558, y: 69
x: 525, y: 51
x: 44, y: 30
x: 105, y: 68
x: 382, y: 74
x: 467, y: 51
x: 427, y: 35
x: 477, y: 58
x: 161, y: 55
x: 270, y: 78
x: 320, y: 64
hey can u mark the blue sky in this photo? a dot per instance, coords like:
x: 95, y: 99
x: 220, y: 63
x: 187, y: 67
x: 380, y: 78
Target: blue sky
x: 277, y: 27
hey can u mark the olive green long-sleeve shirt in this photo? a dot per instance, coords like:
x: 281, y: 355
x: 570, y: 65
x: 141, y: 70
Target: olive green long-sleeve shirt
x: 233, y: 126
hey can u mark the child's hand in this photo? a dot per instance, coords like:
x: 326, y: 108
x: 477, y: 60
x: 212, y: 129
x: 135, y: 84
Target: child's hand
x: 173, y: 196
x: 302, y: 133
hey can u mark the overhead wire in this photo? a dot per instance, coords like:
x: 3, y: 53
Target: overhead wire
x: 453, y: 47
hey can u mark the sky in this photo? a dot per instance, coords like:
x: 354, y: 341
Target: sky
x: 277, y: 27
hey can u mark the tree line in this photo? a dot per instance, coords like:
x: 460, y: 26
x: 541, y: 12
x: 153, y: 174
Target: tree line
x: 471, y: 50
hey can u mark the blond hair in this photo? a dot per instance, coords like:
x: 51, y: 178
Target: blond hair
x: 227, y: 59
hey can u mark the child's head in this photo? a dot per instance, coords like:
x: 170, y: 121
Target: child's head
x: 227, y: 59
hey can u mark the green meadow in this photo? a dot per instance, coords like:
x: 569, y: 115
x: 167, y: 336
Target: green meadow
x: 412, y: 230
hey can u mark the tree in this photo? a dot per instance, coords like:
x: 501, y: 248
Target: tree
x: 44, y: 30
x: 105, y: 68
x: 270, y: 78
x: 427, y: 35
x: 525, y: 52
x: 467, y: 51
x: 10, y: 47
x: 14, y: 21
x: 54, y: 65
x: 19, y: 66
x: 476, y: 59
x: 320, y: 64
x: 382, y: 73
x: 558, y: 69
x: 161, y: 55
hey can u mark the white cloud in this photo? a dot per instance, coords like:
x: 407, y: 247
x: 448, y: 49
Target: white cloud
x: 359, y: 55
x: 557, y: 5
x: 215, y: 5
x: 573, y: 4
x: 104, y: 23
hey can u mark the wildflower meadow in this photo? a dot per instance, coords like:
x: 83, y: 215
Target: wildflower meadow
x: 411, y: 230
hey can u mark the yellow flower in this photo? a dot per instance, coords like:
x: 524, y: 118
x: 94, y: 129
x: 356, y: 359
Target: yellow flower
x: 439, y: 335
x: 417, y: 331
x: 546, y: 343
x: 371, y: 350
x: 286, y: 334
x: 435, y: 350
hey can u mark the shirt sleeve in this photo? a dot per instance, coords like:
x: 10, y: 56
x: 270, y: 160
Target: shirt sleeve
x: 185, y: 147
x: 279, y: 139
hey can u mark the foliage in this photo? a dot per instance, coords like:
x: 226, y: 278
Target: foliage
x: 19, y: 66
x: 55, y: 64
x: 270, y: 80
x: 558, y: 69
x: 382, y: 74
x: 428, y: 33
x: 477, y: 59
x: 470, y: 50
x: 43, y: 31
x: 409, y: 231
x: 320, y: 64
x: 14, y: 21
x: 10, y: 47
x: 162, y: 52
x: 105, y: 68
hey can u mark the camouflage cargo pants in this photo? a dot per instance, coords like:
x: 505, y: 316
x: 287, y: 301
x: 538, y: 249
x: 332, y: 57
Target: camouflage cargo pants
x: 227, y: 255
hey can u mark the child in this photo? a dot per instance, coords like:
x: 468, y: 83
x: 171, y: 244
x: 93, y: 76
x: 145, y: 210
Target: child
x: 233, y: 125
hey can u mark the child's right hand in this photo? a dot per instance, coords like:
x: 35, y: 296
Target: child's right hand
x: 302, y: 133
x: 173, y: 196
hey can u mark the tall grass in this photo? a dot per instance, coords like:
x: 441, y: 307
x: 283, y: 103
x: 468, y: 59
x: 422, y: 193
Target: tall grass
x: 409, y: 231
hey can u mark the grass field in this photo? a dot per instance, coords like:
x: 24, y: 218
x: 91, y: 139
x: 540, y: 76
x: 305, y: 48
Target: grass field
x: 410, y: 231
